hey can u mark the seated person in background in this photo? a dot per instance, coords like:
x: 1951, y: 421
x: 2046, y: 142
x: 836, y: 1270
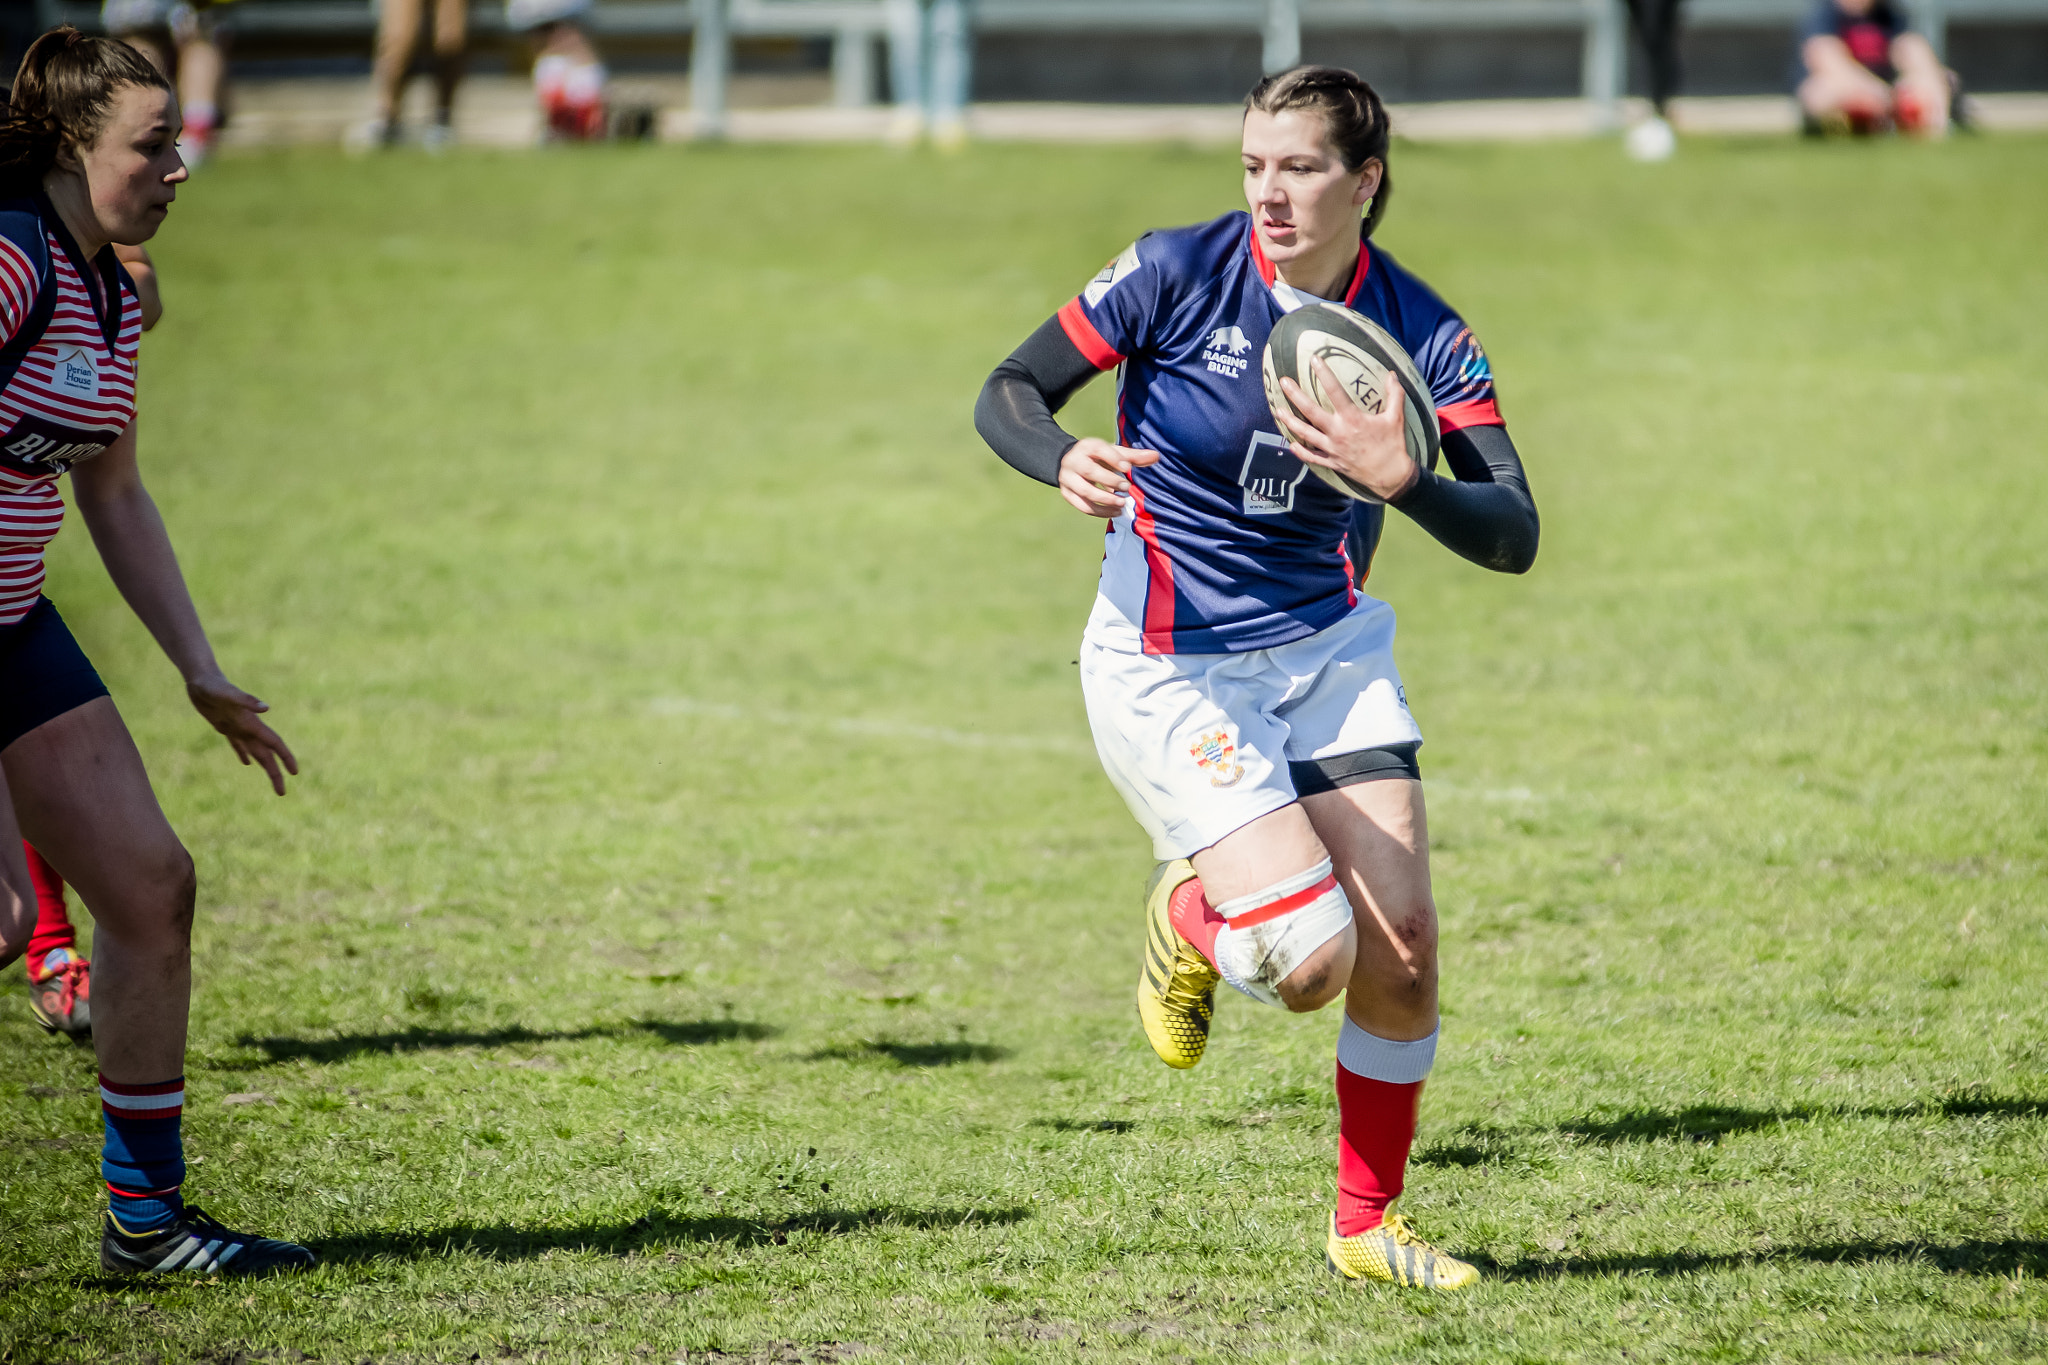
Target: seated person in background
x: 1863, y: 69
x: 568, y: 75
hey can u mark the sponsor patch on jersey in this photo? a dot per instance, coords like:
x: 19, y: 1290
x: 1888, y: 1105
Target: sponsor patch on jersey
x: 1473, y: 367
x: 1227, y: 352
x: 1271, y: 474
x: 42, y: 449
x: 77, y: 373
x: 1111, y: 273
x: 1216, y: 754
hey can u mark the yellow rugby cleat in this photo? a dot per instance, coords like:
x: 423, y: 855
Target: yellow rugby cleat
x: 1393, y: 1254
x: 1177, y: 988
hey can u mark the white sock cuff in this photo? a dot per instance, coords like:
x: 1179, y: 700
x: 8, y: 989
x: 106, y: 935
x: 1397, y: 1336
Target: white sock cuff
x: 1300, y: 881
x: 1384, y: 1059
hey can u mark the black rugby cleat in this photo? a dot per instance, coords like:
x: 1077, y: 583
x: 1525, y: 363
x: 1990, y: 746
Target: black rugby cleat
x: 197, y: 1244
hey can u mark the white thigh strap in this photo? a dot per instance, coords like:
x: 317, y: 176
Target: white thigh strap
x: 1271, y: 932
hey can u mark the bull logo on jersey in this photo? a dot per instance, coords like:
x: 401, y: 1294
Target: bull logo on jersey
x: 1271, y: 474
x: 1216, y: 754
x: 1227, y: 352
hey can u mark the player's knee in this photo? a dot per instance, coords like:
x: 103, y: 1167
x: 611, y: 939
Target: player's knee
x: 166, y: 891
x: 1278, y: 945
x: 1404, y: 959
x: 1315, y: 983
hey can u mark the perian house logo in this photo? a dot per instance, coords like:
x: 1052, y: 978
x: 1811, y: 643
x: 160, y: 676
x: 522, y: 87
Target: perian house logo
x: 75, y: 373
x: 1228, y: 352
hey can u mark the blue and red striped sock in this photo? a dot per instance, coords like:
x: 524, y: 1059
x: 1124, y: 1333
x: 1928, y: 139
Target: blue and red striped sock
x: 143, y: 1160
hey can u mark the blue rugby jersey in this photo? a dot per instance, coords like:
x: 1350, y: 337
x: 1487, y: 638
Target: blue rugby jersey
x: 1227, y: 544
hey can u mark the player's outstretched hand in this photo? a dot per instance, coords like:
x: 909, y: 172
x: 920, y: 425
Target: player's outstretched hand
x: 1093, y: 475
x: 238, y: 715
x: 1370, y: 448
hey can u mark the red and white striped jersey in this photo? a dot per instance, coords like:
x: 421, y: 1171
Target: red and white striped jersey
x: 72, y: 397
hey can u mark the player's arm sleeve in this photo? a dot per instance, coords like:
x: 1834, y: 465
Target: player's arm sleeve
x: 1015, y: 411
x: 1095, y: 331
x: 1486, y: 513
x: 17, y: 289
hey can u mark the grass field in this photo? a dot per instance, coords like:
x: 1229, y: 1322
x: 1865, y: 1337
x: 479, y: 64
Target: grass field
x: 702, y: 927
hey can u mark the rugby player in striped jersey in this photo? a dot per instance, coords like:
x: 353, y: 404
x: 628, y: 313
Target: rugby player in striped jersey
x: 89, y: 159
x: 59, y: 972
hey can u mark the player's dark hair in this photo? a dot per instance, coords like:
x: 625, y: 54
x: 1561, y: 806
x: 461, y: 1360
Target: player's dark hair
x: 1350, y: 109
x: 66, y: 85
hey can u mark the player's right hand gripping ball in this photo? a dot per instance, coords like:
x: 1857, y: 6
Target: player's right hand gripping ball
x: 1365, y: 360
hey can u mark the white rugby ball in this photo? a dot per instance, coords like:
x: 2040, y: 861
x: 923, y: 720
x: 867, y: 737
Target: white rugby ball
x: 1366, y: 361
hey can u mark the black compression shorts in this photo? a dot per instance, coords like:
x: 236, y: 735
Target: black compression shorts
x: 43, y: 672
x: 1315, y: 775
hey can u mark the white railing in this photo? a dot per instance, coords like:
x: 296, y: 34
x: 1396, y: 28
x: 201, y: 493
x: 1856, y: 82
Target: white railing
x: 929, y: 42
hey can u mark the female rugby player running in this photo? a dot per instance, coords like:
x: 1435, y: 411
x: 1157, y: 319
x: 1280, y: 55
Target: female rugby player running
x: 89, y: 158
x: 1242, y: 691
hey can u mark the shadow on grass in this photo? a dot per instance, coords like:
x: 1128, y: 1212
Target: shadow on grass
x: 1711, y: 1122
x: 1474, y: 1145
x: 655, y: 1231
x: 2017, y: 1255
x: 1085, y: 1126
x: 912, y: 1054
x: 686, y: 1033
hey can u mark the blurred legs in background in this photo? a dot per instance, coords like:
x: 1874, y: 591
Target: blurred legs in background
x: 1656, y: 27
x: 398, y: 35
x: 187, y: 41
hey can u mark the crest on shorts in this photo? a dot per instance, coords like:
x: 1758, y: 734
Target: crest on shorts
x: 1216, y: 753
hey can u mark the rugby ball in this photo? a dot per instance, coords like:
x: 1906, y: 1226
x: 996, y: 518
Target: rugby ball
x: 1365, y: 360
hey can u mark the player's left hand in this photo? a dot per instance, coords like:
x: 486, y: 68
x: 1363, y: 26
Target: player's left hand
x: 238, y: 716
x: 1369, y: 448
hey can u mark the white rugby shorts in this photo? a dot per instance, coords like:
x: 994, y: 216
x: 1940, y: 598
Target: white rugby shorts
x: 1198, y: 744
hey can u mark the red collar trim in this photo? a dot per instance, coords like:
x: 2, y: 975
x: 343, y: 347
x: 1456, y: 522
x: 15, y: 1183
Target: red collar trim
x: 1259, y: 261
x: 1268, y: 274
x: 1358, y: 276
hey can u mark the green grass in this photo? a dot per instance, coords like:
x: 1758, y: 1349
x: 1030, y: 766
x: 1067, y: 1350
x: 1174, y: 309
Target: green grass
x: 702, y: 925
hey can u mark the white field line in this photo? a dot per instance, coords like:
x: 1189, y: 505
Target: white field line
x: 972, y: 739
x: 871, y: 729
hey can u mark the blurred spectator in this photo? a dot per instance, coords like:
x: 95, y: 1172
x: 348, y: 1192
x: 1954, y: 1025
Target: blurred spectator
x: 1863, y: 70
x: 398, y: 36
x: 568, y: 76
x: 1656, y: 27
x: 185, y: 39
x: 21, y: 22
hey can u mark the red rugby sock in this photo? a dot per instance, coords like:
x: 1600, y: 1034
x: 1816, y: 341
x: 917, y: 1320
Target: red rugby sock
x: 1376, y: 1126
x: 53, y: 923
x: 1194, y: 919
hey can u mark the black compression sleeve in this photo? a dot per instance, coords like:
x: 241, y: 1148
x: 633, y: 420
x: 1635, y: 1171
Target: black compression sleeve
x: 1014, y: 412
x: 1486, y: 513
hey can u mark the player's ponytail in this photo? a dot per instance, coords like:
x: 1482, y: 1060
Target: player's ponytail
x: 1350, y: 109
x: 61, y: 94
